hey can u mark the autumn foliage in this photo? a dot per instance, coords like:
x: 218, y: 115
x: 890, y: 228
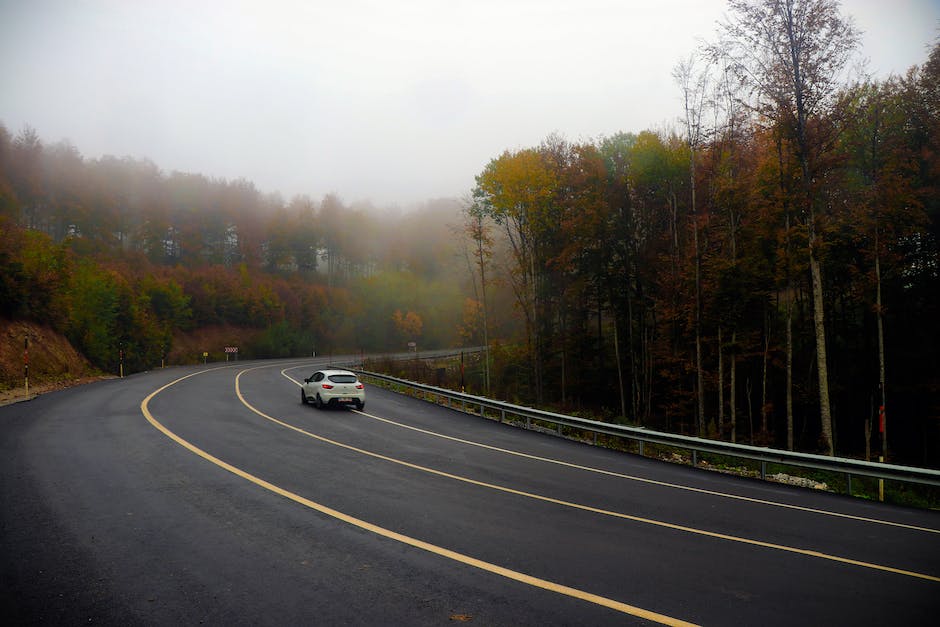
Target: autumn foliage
x: 601, y: 283
x: 121, y: 258
x: 629, y: 292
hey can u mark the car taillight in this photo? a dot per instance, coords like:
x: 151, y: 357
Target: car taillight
x: 359, y: 386
x: 327, y: 386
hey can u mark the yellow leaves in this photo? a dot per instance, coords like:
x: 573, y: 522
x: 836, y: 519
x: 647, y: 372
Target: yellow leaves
x: 409, y: 324
x: 517, y: 184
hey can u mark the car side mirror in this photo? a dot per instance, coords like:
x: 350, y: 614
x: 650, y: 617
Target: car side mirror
x: 307, y: 380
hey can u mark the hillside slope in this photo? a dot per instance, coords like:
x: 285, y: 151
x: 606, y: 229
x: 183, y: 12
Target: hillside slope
x: 53, y: 362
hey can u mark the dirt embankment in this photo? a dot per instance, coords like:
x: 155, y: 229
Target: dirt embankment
x: 53, y: 362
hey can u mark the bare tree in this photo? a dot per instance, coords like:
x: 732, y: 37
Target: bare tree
x: 791, y: 54
x: 478, y: 231
x: 694, y: 86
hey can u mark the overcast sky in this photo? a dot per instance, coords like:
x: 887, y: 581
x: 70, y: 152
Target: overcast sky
x: 394, y: 101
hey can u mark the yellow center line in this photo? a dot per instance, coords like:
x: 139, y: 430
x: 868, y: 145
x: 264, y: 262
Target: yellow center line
x: 588, y: 508
x: 393, y: 535
x: 610, y: 473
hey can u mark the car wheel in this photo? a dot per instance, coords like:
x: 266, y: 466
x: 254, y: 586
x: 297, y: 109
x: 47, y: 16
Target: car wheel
x: 360, y: 406
x: 303, y: 397
x: 319, y: 402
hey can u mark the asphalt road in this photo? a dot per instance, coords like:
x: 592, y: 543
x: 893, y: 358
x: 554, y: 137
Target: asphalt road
x: 222, y: 500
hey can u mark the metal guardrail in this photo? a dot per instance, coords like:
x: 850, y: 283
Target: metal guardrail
x: 764, y: 455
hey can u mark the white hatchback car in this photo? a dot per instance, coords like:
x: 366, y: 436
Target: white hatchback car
x: 333, y: 387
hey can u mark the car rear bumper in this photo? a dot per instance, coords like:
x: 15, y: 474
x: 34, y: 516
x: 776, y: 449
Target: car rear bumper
x: 350, y: 401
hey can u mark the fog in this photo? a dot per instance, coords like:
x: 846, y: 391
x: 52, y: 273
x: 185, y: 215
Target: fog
x: 395, y: 102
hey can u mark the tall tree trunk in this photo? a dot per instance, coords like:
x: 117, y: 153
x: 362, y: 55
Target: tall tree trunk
x: 733, y: 392
x: 564, y: 378
x: 699, y: 379
x: 750, y: 410
x: 648, y: 333
x: 819, y: 325
x: 819, y: 322
x: 721, y: 386
x: 599, y: 357
x: 623, y: 399
x: 790, y: 53
x: 486, y: 334
x: 883, y: 416
x: 763, y: 382
x: 634, y: 365
x: 789, y: 333
x: 536, y: 330
x: 788, y: 295
x: 693, y: 91
x: 674, y: 201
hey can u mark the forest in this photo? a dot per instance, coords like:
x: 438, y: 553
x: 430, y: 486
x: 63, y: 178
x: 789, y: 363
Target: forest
x: 120, y: 256
x: 766, y: 272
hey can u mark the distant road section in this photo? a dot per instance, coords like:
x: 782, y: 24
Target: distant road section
x: 210, y: 494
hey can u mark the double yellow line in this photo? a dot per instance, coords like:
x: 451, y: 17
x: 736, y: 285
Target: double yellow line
x: 494, y: 568
x: 387, y: 533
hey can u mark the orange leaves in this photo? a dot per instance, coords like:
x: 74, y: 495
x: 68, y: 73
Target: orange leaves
x: 409, y: 324
x: 471, y: 326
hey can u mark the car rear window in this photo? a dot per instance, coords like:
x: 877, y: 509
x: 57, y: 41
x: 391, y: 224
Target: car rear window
x: 343, y: 378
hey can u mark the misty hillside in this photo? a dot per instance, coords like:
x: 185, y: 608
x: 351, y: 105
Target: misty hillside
x: 118, y: 255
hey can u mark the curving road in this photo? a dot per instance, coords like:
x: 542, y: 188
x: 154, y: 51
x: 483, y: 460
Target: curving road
x: 211, y: 495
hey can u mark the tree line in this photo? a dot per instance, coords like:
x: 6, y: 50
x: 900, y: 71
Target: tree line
x: 120, y: 256
x: 767, y: 273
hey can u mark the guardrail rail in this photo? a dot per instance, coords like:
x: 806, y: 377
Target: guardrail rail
x: 641, y: 435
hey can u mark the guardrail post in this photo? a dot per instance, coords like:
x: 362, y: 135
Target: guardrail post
x: 595, y: 438
x: 694, y: 457
x: 502, y: 415
x: 763, y: 470
x: 528, y: 422
x: 848, y: 480
x: 641, y: 448
x: 559, y: 428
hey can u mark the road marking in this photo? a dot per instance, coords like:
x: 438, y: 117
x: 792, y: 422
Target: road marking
x: 579, y: 506
x: 611, y: 473
x: 393, y: 535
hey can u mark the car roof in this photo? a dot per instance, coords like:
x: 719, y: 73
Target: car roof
x: 330, y: 371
